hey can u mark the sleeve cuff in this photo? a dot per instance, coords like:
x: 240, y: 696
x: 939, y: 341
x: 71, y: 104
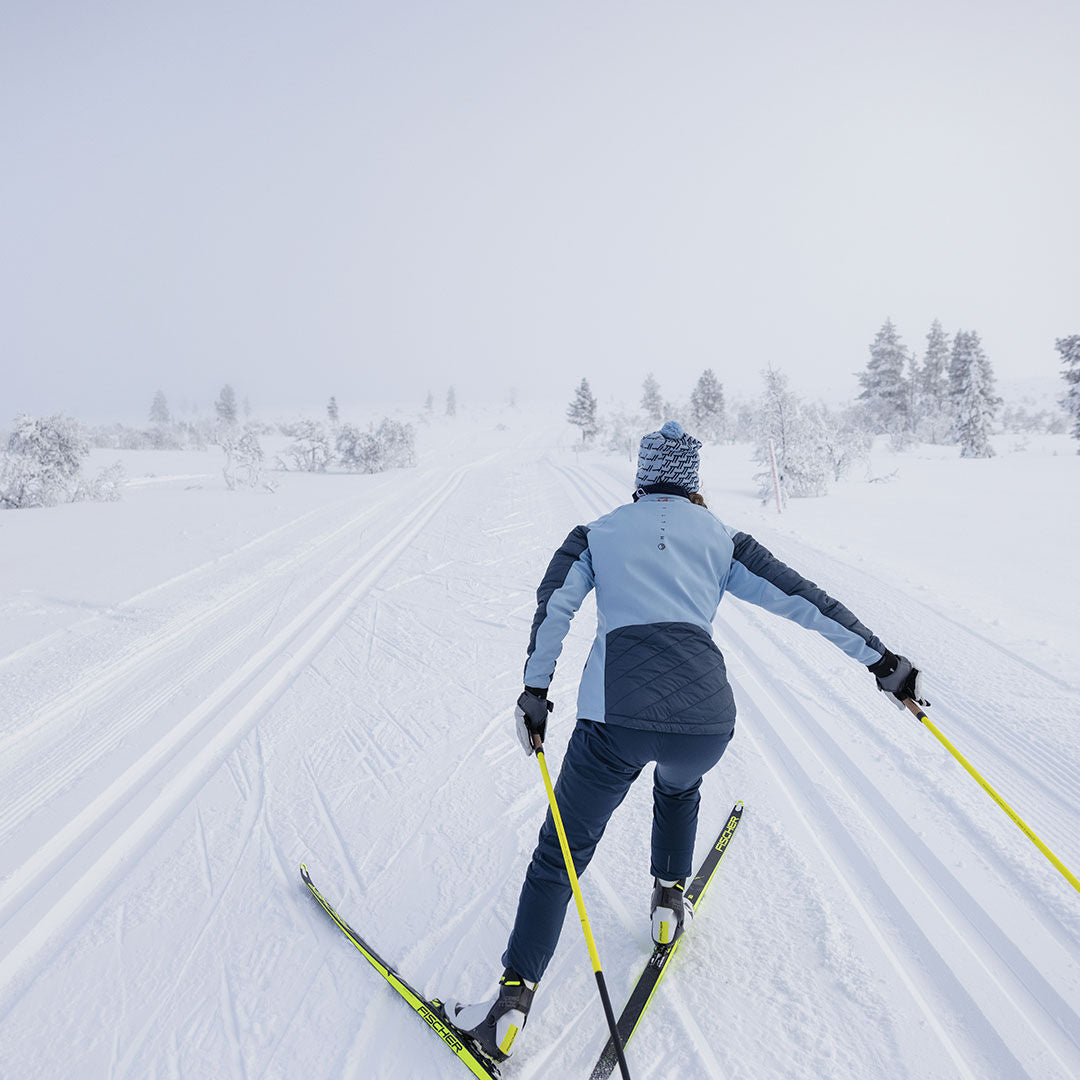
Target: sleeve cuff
x: 884, y: 667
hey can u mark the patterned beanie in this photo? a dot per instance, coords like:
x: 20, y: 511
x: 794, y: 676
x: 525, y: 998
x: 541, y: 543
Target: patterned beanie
x: 668, y: 456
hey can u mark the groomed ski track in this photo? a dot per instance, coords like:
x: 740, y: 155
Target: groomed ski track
x: 338, y: 693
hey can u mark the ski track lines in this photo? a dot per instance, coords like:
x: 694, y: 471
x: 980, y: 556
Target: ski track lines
x: 937, y: 915
x: 942, y: 929
x: 118, y: 671
x: 195, y: 572
x: 191, y: 749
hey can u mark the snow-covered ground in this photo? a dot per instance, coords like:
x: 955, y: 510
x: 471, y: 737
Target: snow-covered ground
x: 202, y: 688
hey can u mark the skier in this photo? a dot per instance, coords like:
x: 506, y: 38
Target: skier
x: 654, y: 689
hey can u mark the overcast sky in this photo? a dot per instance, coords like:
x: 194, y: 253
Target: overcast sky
x: 374, y: 199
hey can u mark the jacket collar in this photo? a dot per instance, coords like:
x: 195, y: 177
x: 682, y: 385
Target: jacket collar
x: 661, y: 489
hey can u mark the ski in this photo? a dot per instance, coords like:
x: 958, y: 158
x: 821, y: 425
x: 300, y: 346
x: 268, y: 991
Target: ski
x: 429, y: 1010
x: 649, y: 979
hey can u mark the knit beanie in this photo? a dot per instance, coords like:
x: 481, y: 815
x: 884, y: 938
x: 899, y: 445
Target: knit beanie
x: 668, y: 456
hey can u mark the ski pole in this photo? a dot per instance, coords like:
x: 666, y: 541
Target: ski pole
x: 571, y: 873
x: 1023, y: 825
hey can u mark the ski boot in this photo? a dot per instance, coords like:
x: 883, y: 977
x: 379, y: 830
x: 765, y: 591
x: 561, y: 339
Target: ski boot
x: 494, y: 1025
x: 671, y: 911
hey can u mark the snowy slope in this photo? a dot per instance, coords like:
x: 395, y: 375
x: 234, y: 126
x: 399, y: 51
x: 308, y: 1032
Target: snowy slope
x: 209, y: 687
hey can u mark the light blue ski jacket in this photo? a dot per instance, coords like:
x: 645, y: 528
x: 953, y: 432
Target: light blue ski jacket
x: 660, y: 567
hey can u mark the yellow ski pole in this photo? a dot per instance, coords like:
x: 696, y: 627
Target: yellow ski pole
x: 571, y: 873
x: 1069, y: 876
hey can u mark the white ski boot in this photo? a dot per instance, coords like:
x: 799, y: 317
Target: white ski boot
x: 495, y: 1024
x: 671, y: 911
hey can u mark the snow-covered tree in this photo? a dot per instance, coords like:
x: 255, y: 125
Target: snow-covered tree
x: 743, y: 421
x: 581, y: 411
x: 43, y: 462
x: 451, y: 402
x: 1069, y: 347
x: 934, y: 375
x: 429, y: 402
x: 332, y: 410
x: 845, y: 438
x: 621, y: 433
x: 225, y: 406
x: 652, y: 401
x: 933, y: 412
x: 971, y: 388
x: 391, y: 446
x: 884, y: 382
x: 797, y: 433
x: 707, y: 407
x: 310, y: 449
x: 243, y: 459
x: 159, y: 409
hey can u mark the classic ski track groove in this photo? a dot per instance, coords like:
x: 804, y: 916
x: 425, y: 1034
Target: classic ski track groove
x: 193, y: 746
x: 106, y: 678
x: 983, y: 832
x: 943, y: 893
x: 203, y: 569
x: 1053, y: 1030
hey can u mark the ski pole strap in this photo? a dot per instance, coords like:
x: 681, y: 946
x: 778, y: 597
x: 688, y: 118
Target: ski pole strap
x: 1026, y: 829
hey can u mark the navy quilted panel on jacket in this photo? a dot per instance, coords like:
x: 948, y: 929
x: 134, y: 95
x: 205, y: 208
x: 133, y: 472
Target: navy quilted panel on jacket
x: 669, y: 677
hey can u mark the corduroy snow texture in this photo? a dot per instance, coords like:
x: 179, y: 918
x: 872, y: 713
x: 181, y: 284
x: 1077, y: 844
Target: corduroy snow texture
x: 668, y: 456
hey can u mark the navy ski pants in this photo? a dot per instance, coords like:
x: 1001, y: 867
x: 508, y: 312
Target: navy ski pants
x: 601, y: 762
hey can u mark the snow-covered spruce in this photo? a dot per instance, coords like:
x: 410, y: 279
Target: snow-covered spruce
x: 971, y: 390
x: 1069, y: 347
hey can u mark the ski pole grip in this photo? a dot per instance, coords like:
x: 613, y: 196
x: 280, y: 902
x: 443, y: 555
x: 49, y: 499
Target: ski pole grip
x: 914, y: 709
x: 537, y: 742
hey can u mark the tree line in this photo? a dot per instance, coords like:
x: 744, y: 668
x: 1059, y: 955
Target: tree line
x: 945, y: 395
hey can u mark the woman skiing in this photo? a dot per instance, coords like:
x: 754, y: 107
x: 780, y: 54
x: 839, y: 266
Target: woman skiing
x: 654, y: 689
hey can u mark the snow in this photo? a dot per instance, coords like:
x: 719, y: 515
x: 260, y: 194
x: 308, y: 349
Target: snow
x: 204, y: 688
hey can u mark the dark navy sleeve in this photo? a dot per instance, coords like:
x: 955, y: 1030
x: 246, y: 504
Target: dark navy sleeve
x: 568, y: 580
x: 759, y: 577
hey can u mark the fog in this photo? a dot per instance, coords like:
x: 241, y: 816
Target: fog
x: 374, y: 200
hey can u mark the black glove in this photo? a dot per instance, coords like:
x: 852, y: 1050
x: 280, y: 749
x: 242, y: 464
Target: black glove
x: 530, y: 716
x: 898, y: 676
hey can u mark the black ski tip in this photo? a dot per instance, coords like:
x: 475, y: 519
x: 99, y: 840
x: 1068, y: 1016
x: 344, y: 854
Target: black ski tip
x: 304, y: 875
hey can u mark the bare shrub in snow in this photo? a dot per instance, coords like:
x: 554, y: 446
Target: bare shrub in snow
x: 244, y: 460
x: 310, y: 450
x: 391, y: 445
x: 798, y: 434
x: 357, y: 450
x: 621, y: 433
x: 105, y: 487
x: 846, y: 438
